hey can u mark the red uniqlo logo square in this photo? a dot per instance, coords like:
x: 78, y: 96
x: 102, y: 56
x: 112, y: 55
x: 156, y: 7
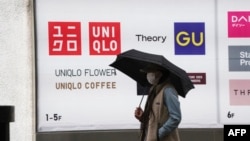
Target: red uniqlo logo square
x: 104, y: 38
x: 64, y: 38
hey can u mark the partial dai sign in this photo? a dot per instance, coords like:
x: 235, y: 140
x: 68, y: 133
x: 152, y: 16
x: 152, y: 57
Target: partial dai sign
x: 238, y: 24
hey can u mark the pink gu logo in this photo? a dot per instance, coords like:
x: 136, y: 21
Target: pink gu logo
x: 238, y: 24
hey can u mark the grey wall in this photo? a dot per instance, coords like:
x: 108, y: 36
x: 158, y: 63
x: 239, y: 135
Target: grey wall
x: 17, y: 66
x: 202, y: 134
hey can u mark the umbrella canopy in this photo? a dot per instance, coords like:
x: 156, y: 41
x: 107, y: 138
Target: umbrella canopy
x: 131, y: 63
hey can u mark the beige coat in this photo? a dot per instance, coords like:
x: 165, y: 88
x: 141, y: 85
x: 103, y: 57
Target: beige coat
x: 161, y: 115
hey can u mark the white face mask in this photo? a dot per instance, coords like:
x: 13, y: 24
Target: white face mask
x: 154, y: 77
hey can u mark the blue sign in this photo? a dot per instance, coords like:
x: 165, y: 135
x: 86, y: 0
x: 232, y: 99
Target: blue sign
x: 189, y: 38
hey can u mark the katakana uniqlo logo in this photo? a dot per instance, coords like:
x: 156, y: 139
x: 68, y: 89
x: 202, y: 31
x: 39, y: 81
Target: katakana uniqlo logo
x: 64, y: 38
x: 104, y: 38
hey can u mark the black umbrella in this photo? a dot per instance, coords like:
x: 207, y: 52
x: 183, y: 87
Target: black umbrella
x: 131, y: 63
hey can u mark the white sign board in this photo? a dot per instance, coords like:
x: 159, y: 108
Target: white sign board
x: 76, y: 40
